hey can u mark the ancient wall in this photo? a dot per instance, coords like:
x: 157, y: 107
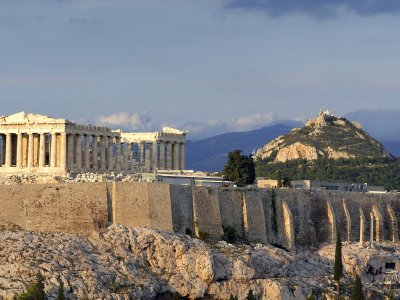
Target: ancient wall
x: 314, y: 211
x: 206, y: 211
x: 74, y: 208
x: 254, y: 219
x: 182, y: 208
x: 142, y: 204
x: 231, y: 208
x: 285, y: 217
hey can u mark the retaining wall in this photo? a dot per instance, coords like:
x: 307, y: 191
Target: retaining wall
x: 290, y: 218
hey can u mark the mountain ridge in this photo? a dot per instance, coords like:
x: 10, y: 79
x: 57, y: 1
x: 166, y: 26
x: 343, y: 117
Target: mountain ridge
x: 210, y: 154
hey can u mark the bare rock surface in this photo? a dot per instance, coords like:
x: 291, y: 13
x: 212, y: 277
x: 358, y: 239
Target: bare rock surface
x: 141, y: 263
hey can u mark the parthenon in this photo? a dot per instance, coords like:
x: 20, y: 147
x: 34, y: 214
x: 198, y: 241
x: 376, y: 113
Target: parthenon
x: 32, y: 143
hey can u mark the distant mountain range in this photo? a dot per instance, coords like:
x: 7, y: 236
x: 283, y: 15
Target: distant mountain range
x: 210, y: 154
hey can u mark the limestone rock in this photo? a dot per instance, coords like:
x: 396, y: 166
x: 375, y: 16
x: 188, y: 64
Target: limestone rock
x: 141, y: 263
x: 297, y: 151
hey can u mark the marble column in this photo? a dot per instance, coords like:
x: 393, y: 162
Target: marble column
x: 95, y: 153
x: 118, y: 154
x: 71, y: 151
x: 133, y: 158
x: 8, y: 150
x: 111, y: 162
x: 78, y: 151
x: 161, y: 165
x: 176, y: 155
x: 147, y: 160
x: 86, y: 160
x: 142, y: 147
x: 126, y: 156
x: 169, y: 156
x: 102, y: 152
x: 63, y: 151
x: 155, y: 155
x: 53, y: 150
x: 42, y: 150
x: 30, y: 150
x: 182, y: 157
x: 19, y: 150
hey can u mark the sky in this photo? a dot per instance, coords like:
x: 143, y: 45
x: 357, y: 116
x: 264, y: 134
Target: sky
x: 207, y: 66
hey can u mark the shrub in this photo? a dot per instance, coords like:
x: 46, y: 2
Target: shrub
x: 251, y: 296
x: 60, y: 292
x: 230, y: 234
x: 35, y: 290
x: 203, y: 236
x: 357, y: 290
x: 189, y: 232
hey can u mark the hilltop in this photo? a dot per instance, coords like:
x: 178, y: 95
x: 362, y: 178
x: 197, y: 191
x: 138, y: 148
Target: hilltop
x: 329, y: 148
x: 325, y: 137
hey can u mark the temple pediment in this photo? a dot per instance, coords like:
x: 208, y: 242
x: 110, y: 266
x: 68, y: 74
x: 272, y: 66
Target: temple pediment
x: 23, y: 118
x: 174, y: 131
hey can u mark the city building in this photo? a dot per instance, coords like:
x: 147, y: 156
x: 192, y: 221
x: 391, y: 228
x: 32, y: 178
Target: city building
x: 336, y: 186
x: 187, y: 178
x: 266, y: 183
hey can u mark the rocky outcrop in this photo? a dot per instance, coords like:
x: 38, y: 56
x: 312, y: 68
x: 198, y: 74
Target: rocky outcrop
x: 140, y: 263
x: 326, y: 136
x: 297, y: 151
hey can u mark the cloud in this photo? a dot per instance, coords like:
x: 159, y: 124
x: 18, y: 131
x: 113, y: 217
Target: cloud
x: 320, y: 8
x: 127, y: 121
x: 255, y: 121
x: 198, y: 130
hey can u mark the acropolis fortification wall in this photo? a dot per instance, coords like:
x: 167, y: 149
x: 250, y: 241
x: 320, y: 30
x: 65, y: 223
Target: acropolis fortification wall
x: 289, y: 218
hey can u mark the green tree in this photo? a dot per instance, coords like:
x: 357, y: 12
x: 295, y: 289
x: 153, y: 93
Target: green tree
x: 251, y: 296
x: 60, y: 292
x: 279, y: 179
x: 357, y: 289
x: 338, y: 267
x: 35, y: 290
x: 240, y: 168
x: 286, y: 182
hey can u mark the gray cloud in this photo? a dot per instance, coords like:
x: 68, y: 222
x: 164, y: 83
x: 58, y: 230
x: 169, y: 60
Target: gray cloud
x: 320, y: 8
x: 127, y: 121
x: 198, y: 130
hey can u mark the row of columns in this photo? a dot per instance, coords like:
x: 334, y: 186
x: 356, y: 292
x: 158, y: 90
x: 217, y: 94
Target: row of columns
x: 84, y: 151
x: 33, y: 152
x: 162, y: 156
